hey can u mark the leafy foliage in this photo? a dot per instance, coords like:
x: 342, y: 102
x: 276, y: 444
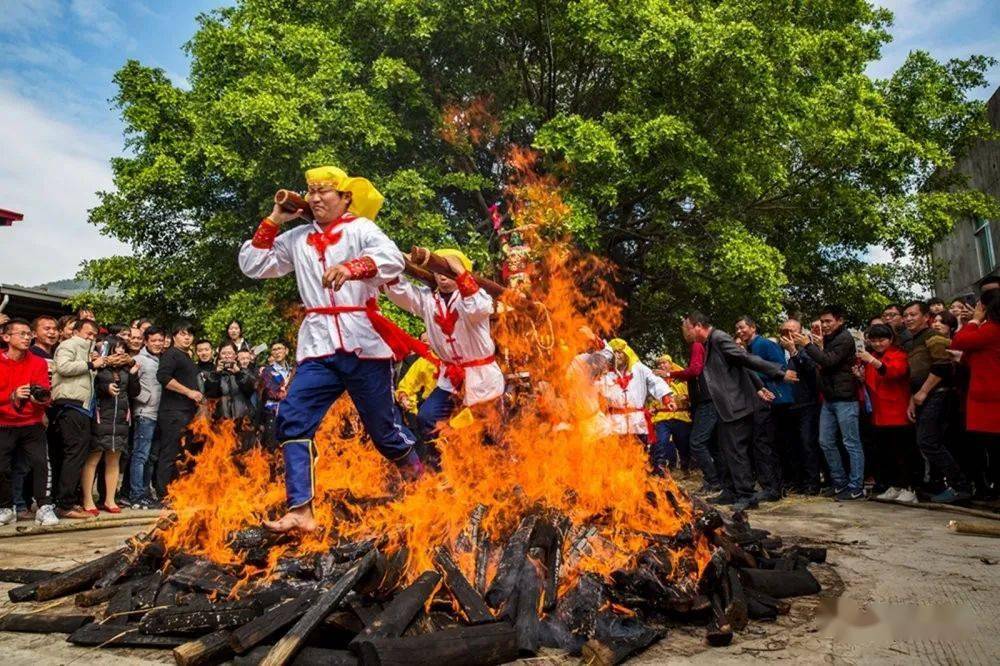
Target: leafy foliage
x: 728, y: 155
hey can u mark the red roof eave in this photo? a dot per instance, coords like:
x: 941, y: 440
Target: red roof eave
x: 9, y: 217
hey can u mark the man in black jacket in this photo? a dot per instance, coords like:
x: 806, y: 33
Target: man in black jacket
x: 178, y: 404
x: 734, y: 390
x: 839, y: 411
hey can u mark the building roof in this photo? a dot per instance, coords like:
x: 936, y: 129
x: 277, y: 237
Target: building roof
x: 9, y: 217
x: 30, y: 303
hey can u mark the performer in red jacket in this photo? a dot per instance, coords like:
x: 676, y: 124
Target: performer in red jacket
x: 887, y: 377
x: 979, y: 342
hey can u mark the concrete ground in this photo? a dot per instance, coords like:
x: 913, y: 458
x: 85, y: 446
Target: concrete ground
x: 935, y: 594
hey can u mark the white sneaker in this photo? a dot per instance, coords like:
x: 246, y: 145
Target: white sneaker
x: 907, y: 496
x: 7, y: 516
x: 891, y: 494
x: 46, y: 515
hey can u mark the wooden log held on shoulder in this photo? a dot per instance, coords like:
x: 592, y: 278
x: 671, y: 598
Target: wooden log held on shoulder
x: 424, y: 258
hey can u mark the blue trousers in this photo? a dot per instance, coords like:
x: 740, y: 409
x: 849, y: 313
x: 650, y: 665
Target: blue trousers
x: 706, y: 418
x: 438, y: 406
x: 142, y: 444
x: 317, y: 384
x: 842, y: 416
x: 672, y: 435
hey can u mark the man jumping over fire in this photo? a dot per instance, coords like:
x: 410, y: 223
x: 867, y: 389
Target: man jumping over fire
x: 344, y: 344
x: 457, y: 317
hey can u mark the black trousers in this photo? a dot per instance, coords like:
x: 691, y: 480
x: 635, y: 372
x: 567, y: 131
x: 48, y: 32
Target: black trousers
x: 932, y: 433
x: 30, y: 440
x: 735, y: 439
x: 765, y: 458
x: 74, y: 436
x: 899, y: 461
x: 172, y: 426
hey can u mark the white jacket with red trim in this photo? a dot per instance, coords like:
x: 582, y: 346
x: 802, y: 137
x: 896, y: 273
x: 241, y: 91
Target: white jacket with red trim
x: 469, y: 340
x: 625, y: 395
x: 320, y: 335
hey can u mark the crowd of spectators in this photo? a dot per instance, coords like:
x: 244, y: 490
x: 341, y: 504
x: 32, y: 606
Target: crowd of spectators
x: 95, y: 417
x: 905, y: 410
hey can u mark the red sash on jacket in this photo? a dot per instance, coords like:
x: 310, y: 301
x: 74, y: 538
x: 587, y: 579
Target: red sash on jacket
x: 455, y: 372
x: 400, y: 342
x: 646, y: 414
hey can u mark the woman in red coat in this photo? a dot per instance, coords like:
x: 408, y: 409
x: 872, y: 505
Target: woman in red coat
x: 887, y: 376
x: 979, y: 342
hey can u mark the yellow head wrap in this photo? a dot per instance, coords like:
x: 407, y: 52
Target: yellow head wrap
x: 458, y: 254
x: 619, y: 345
x: 666, y: 358
x: 366, y: 201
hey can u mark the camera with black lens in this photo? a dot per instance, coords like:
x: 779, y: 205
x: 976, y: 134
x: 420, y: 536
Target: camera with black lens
x: 39, y: 393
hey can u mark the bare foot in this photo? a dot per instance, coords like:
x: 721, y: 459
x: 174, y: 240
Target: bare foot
x: 299, y: 518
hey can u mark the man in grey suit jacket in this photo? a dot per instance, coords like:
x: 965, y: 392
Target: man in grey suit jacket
x: 733, y: 388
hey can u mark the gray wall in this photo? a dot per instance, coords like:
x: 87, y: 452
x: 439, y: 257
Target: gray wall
x: 957, y: 252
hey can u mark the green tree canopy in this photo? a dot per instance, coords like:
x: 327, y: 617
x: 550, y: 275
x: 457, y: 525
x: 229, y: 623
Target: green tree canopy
x: 729, y: 155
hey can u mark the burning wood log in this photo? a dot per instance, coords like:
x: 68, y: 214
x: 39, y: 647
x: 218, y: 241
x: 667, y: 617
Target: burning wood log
x: 401, y: 610
x: 307, y: 656
x: 117, y: 635
x: 472, y: 604
x: 25, y: 576
x: 482, y: 645
x: 260, y: 629
x: 43, y: 623
x: 781, y: 584
x: 132, y: 553
x: 204, y: 576
x: 286, y: 648
x: 206, y: 651
x: 578, y: 608
x: 484, y: 551
x: 68, y: 582
x: 118, y: 609
x: 510, y: 562
x: 528, y: 596
x: 469, y: 537
x: 816, y: 554
x: 735, y: 600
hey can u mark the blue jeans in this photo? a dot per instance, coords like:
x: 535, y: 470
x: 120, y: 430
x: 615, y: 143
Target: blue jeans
x: 142, y: 444
x: 705, y: 419
x: 320, y: 381
x: 672, y: 436
x: 842, y: 417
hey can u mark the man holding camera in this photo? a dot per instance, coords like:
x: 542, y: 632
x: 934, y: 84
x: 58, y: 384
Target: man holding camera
x: 24, y: 394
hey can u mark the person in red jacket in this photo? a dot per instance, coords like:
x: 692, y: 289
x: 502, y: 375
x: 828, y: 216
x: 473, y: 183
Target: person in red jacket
x: 979, y: 342
x: 24, y: 393
x: 887, y: 376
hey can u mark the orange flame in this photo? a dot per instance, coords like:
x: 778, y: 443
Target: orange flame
x: 542, y: 453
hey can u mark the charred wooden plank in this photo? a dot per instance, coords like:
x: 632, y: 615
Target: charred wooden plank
x: 118, y: 635
x: 781, y: 584
x: 70, y: 581
x: 133, y: 552
x: 473, y: 606
x: 383, y: 578
x: 93, y: 597
x: 201, y: 618
x: 24, y: 576
x: 119, y: 608
x: 290, y: 643
x: 399, y: 612
x: 815, y: 554
x: 617, y: 640
x: 205, y: 651
x: 469, y: 538
x: 526, y: 621
x: 484, y: 550
x: 261, y: 628
x: 578, y: 607
x: 719, y: 632
x: 735, y: 599
x: 478, y: 645
x: 510, y: 563
x: 43, y: 623
x: 204, y: 576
